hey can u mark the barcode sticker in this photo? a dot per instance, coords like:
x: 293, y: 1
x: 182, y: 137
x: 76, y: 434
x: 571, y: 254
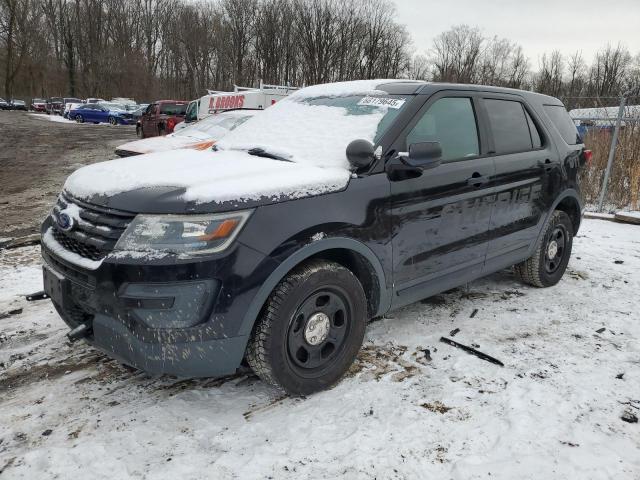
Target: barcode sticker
x: 382, y: 102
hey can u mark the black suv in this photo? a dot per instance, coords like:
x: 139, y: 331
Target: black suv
x: 332, y: 207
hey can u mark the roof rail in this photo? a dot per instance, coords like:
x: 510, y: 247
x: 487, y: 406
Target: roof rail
x: 264, y: 86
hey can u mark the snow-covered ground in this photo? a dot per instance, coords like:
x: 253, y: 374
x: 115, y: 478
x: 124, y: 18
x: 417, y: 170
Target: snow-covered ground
x: 572, y: 367
x: 51, y: 118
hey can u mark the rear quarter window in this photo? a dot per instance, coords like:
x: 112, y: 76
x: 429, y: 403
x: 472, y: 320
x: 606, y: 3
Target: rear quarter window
x: 511, y: 132
x: 562, y: 121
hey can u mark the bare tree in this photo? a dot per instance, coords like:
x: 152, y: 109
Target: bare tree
x: 17, y: 18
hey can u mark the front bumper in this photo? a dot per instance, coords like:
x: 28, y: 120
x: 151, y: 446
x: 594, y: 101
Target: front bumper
x: 126, y: 121
x: 199, y: 358
x: 179, y: 319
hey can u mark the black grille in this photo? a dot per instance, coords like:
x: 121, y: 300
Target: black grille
x: 96, y: 231
x: 73, y: 245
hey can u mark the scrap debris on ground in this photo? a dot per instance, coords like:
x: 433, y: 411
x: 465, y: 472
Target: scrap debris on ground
x: 565, y: 405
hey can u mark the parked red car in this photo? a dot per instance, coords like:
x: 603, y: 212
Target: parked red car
x: 54, y: 105
x: 39, y: 105
x: 161, y: 117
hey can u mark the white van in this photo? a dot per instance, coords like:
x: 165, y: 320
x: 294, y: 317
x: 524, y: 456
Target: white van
x: 242, y: 97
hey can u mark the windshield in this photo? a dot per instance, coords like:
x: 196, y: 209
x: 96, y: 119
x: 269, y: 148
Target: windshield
x: 214, y: 127
x: 113, y: 106
x: 317, y: 130
x: 173, y: 109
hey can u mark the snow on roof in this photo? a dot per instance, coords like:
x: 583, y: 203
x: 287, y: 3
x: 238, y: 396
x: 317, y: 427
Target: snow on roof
x: 343, y: 89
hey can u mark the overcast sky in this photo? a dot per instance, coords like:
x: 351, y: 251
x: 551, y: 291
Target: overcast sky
x: 537, y: 25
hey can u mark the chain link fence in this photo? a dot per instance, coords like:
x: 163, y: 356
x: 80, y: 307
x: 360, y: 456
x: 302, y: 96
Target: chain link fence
x: 612, y: 181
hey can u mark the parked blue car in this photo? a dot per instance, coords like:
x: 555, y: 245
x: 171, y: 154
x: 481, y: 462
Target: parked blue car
x: 112, y: 113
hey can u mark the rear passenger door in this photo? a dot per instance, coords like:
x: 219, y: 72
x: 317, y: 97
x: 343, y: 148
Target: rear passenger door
x: 525, y: 160
x: 441, y: 218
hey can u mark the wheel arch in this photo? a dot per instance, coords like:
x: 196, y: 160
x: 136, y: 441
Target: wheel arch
x: 351, y: 254
x: 570, y: 203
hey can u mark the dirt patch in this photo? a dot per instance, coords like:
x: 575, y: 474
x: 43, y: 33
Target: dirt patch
x: 28, y: 374
x: 37, y: 155
x: 377, y: 361
x: 436, y: 407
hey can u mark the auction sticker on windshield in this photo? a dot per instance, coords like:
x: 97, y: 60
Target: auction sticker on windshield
x: 382, y: 102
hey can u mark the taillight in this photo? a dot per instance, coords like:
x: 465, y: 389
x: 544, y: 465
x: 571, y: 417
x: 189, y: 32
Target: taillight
x: 587, y: 155
x: 170, y: 124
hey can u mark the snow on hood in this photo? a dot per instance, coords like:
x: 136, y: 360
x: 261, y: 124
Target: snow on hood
x: 160, y: 144
x: 206, y: 176
x: 312, y: 136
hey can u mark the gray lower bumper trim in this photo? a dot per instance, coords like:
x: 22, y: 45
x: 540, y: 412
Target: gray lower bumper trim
x: 210, y: 358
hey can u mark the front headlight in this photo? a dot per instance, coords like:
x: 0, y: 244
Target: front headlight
x: 182, y: 234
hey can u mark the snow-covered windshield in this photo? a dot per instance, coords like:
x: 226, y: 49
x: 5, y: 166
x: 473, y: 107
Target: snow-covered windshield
x: 317, y: 130
x: 114, y: 106
x: 214, y: 127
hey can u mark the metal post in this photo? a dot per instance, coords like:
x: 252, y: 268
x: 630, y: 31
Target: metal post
x: 612, y: 152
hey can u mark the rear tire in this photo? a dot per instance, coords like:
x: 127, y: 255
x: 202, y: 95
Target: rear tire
x: 310, y: 329
x: 113, y: 121
x: 547, y: 265
x: 139, y: 131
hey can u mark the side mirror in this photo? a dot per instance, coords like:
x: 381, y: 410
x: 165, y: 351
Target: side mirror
x: 360, y: 154
x: 423, y: 155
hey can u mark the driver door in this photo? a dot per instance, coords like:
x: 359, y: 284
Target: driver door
x: 441, y: 217
x: 102, y: 114
x: 148, y: 121
x: 89, y: 113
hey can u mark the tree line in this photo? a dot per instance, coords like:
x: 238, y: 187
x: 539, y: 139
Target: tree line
x: 150, y: 49
x: 464, y: 55
x: 172, y: 48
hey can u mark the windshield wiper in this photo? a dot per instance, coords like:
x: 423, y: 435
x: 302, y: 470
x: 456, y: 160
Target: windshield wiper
x: 261, y: 152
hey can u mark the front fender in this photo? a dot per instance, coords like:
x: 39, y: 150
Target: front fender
x: 300, y: 256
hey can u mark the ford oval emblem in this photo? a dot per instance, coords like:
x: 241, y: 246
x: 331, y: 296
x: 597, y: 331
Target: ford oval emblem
x: 65, y: 222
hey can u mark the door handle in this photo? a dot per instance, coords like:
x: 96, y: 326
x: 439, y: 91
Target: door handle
x: 545, y: 164
x: 477, y: 180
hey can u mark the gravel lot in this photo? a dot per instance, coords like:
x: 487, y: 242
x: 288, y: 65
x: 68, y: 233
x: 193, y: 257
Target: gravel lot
x: 37, y: 155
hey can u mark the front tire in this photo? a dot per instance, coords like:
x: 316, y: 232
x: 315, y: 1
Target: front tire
x: 139, y: 131
x: 310, y: 329
x: 113, y: 121
x: 79, y: 119
x: 551, y: 257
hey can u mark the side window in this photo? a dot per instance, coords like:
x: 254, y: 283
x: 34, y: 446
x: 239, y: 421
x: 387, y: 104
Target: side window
x: 509, y: 126
x: 192, y: 112
x: 535, y: 134
x: 149, y: 109
x: 452, y: 122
